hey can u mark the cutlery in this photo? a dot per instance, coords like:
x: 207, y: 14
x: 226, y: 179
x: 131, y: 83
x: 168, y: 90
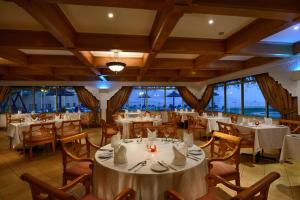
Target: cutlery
x: 192, y: 158
x: 143, y: 164
x: 131, y: 168
x: 105, y: 159
x: 170, y: 166
x: 161, y: 164
x: 110, y: 150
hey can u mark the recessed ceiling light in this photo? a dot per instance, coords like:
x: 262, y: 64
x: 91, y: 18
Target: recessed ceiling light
x: 211, y: 21
x: 296, y: 28
x: 110, y: 15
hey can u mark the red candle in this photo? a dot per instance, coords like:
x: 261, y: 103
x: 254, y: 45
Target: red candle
x: 152, y: 148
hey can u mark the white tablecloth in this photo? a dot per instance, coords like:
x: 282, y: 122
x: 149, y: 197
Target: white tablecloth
x: 184, y: 115
x: 212, y: 124
x: 15, y: 130
x: 132, y: 114
x: 110, y: 179
x: 290, y: 148
x: 126, y: 123
x: 266, y: 136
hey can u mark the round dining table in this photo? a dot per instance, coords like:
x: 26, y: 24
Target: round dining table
x: 110, y: 179
x: 127, y: 122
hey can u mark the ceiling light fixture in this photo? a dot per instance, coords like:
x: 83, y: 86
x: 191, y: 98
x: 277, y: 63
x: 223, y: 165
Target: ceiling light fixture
x: 296, y: 28
x: 116, y: 66
x: 211, y: 21
x: 110, y: 15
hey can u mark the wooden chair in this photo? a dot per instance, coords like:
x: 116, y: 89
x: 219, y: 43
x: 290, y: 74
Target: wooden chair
x: 85, y: 119
x: 38, y: 134
x: 224, y: 156
x: 42, y: 190
x: 196, y: 124
x: 138, y: 127
x: 161, y: 130
x: 233, y: 117
x: 9, y: 120
x: 76, y: 156
x: 294, y: 125
x: 44, y: 117
x: 108, y: 131
x: 173, y: 119
x: 257, y: 191
x: 68, y: 128
x: 227, y: 128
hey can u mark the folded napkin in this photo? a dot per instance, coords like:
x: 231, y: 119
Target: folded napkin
x: 147, y: 115
x: 204, y: 114
x: 186, y: 110
x: 175, y: 109
x: 126, y: 111
x: 67, y: 116
x: 32, y: 112
x: 120, y: 117
x: 220, y: 114
x: 120, y: 154
x: 115, y: 140
x: 57, y: 117
x: 193, y: 110
x: 245, y: 121
x: 181, y: 110
x: 179, y: 156
x: 28, y: 119
x: 268, y: 121
x: 151, y: 134
x: 188, y: 139
x: 19, y: 112
x: 157, y: 117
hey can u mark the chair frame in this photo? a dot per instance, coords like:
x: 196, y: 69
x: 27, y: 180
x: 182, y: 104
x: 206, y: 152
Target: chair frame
x: 66, y: 155
x: 104, y: 135
x: 261, y: 187
x: 39, y: 187
x: 196, y: 123
x: 234, y: 155
x: 31, y: 143
x: 294, y: 125
x: 63, y: 127
x: 140, y: 125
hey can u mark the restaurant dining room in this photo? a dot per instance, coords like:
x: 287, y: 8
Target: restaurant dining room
x: 149, y: 100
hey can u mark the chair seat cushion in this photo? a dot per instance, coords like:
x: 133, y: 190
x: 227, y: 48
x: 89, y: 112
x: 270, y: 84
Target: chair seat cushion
x: 79, y: 169
x: 209, y: 196
x: 222, y: 169
x: 89, y: 197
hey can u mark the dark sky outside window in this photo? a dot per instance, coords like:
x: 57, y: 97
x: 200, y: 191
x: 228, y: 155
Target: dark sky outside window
x: 233, y: 98
x: 219, y: 98
x: 156, y: 99
x: 254, y: 101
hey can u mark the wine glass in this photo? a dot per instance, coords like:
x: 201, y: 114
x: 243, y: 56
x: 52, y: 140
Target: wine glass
x: 166, y: 134
x: 139, y: 134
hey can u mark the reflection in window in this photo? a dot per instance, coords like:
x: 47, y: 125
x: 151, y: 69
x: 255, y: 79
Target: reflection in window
x: 67, y: 99
x: 233, y: 97
x: 155, y: 98
x: 45, y: 100
x: 218, y: 96
x: 254, y: 101
x: 21, y: 100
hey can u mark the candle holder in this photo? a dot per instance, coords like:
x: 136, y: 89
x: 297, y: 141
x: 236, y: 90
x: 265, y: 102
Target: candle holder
x: 152, y: 148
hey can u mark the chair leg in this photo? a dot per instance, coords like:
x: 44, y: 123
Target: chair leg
x: 53, y: 146
x: 237, y: 181
x: 30, y: 152
x: 64, y: 179
x: 102, y: 137
x: 10, y: 142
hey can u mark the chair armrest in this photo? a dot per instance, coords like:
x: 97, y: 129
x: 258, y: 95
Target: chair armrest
x: 207, y: 144
x: 84, y: 179
x: 76, y: 158
x: 295, y: 130
x: 93, y: 145
x: 125, y: 194
x: 172, y: 195
x: 210, y: 179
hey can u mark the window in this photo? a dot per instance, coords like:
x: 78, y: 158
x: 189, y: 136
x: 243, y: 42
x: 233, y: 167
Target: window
x: 218, y: 98
x: 42, y: 99
x: 241, y: 96
x: 233, y: 97
x: 155, y: 98
x: 254, y: 101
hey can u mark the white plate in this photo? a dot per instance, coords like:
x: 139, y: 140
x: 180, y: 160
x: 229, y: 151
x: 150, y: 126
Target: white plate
x: 158, y: 168
x: 104, y: 155
x: 195, y: 152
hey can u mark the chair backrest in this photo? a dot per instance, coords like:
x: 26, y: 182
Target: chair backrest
x: 76, y: 145
x: 227, y: 128
x: 233, y: 117
x: 103, y: 125
x: 259, y: 190
x: 224, y: 145
x: 41, y: 130
x: 138, y: 127
x: 161, y: 130
x: 10, y: 119
x: 294, y: 125
x: 70, y: 127
x: 42, y: 190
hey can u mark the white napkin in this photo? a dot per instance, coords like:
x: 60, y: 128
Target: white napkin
x: 120, y: 154
x: 188, y: 139
x: 179, y: 156
x: 193, y: 110
x: 126, y: 111
x: 115, y: 140
x: 204, y: 114
x: 147, y: 115
x: 175, y: 109
x: 138, y: 111
x: 157, y: 117
x: 268, y: 121
x: 186, y: 110
x: 66, y: 116
x: 120, y: 117
x: 151, y: 134
x: 57, y: 117
x: 32, y: 112
x: 28, y: 119
x: 19, y: 112
x: 181, y: 110
x: 220, y: 114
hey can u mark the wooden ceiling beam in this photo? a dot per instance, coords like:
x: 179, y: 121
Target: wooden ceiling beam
x: 14, y: 55
x: 170, y: 63
x: 205, y: 60
x: 54, y: 61
x: 267, y: 9
x: 264, y: 49
x: 258, y: 61
x: 52, y: 18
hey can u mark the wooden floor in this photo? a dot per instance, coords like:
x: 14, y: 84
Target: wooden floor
x: 48, y: 167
